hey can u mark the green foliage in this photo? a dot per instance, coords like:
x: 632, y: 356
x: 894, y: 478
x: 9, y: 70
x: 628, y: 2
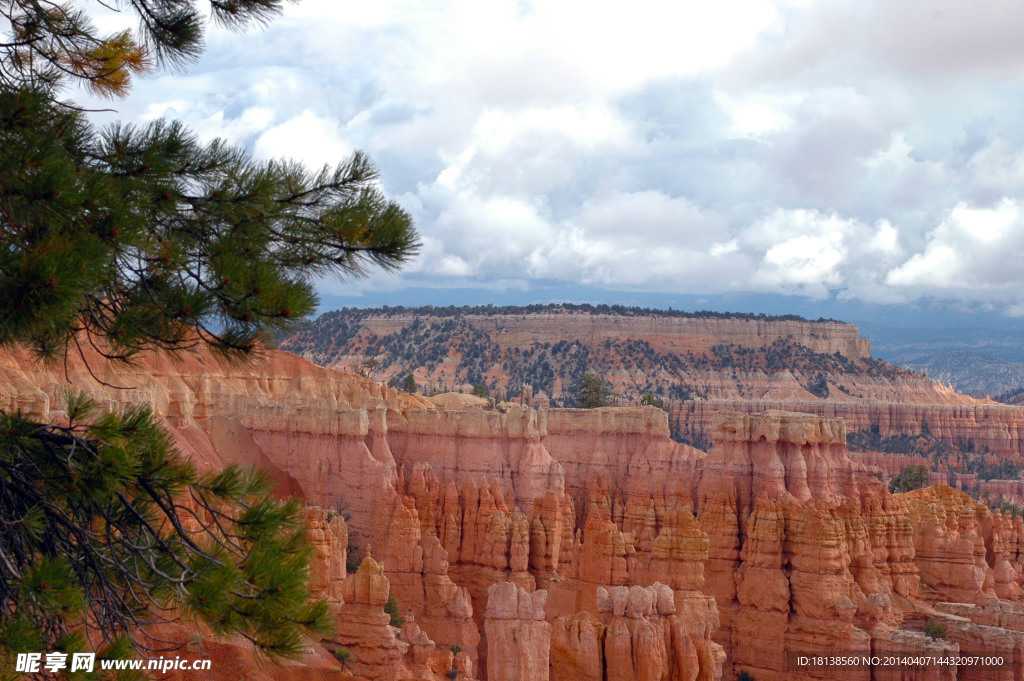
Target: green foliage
x: 744, y: 676
x: 139, y: 238
x: 992, y: 468
x: 910, y: 478
x: 409, y: 385
x: 480, y: 390
x: 873, y: 441
x: 135, y: 238
x: 593, y: 392
x: 583, y: 308
x: 341, y: 511
x: 428, y: 336
x: 391, y: 608
x: 652, y: 400
x: 453, y: 673
x: 50, y: 43
x: 342, y: 655
x: 97, y: 531
x: 367, y: 366
x: 1006, y: 506
x: 352, y: 559
x: 819, y: 386
x: 934, y: 630
x: 1010, y: 396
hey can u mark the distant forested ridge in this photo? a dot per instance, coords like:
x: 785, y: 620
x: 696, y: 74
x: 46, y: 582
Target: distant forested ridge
x: 583, y: 308
x: 691, y: 364
x: 671, y: 356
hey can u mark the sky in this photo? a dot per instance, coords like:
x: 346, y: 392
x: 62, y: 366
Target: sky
x: 847, y: 152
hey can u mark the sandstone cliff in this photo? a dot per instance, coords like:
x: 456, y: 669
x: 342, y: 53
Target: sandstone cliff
x: 658, y: 560
x: 696, y: 365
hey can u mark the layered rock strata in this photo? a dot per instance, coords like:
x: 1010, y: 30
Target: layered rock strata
x: 637, y: 633
x: 518, y: 637
x: 811, y: 555
x: 698, y: 365
x: 774, y: 542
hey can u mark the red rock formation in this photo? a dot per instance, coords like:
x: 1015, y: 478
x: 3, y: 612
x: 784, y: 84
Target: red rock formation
x: 577, y: 648
x: 679, y: 552
x: 672, y: 334
x: 802, y: 548
x: 637, y: 635
x: 518, y: 637
x: 810, y: 554
x: 1011, y: 491
x: 625, y: 450
x: 966, y: 553
x: 900, y: 644
x: 364, y: 629
x: 329, y: 537
x: 893, y: 409
x: 417, y: 566
x: 750, y: 365
x: 782, y: 455
x: 379, y: 650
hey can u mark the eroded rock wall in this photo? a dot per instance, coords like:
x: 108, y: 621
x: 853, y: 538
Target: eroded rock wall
x: 773, y: 542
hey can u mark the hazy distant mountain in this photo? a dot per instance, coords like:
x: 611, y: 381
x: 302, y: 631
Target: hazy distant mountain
x: 972, y: 360
x: 970, y: 372
x: 910, y: 345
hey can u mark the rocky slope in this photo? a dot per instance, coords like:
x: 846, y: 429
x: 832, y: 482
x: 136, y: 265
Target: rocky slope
x: 972, y: 358
x: 975, y: 373
x: 584, y: 537
x: 693, y: 364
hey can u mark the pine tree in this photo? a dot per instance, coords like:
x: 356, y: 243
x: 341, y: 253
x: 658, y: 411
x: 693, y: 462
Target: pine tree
x: 910, y: 478
x: 391, y: 609
x: 652, y: 400
x: 136, y: 238
x: 593, y: 392
x: 107, y: 528
x: 142, y: 238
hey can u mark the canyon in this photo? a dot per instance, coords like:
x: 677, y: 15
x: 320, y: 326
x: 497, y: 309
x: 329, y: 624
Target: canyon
x: 522, y: 542
x: 694, y: 364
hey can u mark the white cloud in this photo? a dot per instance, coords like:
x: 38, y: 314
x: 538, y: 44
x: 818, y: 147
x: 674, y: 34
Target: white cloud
x: 754, y: 114
x: 885, y: 240
x: 947, y: 38
x: 559, y: 50
x: 994, y: 170
x: 648, y: 218
x: 973, y: 251
x: 806, y: 262
x: 308, y: 138
x: 252, y: 121
x: 869, y: 147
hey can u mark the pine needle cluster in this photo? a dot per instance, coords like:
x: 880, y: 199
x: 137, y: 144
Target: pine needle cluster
x: 594, y: 391
x: 108, y: 530
x: 51, y: 43
x: 140, y: 238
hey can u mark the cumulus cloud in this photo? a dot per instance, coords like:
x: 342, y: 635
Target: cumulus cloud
x: 632, y: 239
x: 309, y: 138
x: 973, y: 251
x: 866, y: 149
